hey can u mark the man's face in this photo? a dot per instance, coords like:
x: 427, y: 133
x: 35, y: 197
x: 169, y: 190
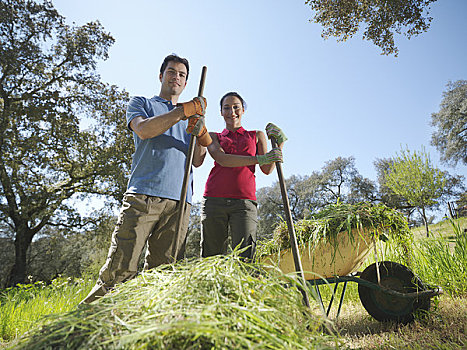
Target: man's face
x: 173, y: 79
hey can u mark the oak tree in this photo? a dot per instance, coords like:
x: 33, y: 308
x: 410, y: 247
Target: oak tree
x: 380, y: 19
x: 450, y: 136
x: 62, y: 130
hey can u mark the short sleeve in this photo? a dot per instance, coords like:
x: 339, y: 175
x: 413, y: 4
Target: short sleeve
x: 135, y: 109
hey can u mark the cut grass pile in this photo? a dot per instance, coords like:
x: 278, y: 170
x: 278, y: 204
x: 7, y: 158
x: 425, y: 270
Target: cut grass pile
x: 214, y: 303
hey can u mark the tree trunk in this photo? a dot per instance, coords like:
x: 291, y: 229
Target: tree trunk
x: 18, y: 271
x: 451, y: 212
x: 425, y: 221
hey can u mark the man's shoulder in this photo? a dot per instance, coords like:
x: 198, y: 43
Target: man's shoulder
x: 143, y: 99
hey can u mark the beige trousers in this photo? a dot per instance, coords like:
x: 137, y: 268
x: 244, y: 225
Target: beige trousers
x: 142, y: 219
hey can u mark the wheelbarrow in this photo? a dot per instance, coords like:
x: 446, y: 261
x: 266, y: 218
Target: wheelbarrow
x: 388, y: 291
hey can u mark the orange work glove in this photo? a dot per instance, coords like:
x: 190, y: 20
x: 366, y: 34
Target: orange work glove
x: 195, y: 124
x: 197, y: 128
x: 204, y: 138
x: 196, y: 106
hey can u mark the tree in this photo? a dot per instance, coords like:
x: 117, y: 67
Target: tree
x: 413, y: 177
x: 450, y: 136
x: 62, y: 130
x: 193, y: 248
x: 302, y: 200
x: 461, y: 204
x: 339, y: 181
x: 385, y: 194
x: 381, y: 18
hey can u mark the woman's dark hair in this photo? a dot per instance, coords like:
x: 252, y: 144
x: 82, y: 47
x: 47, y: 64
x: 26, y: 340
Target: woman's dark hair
x: 174, y: 58
x: 235, y: 94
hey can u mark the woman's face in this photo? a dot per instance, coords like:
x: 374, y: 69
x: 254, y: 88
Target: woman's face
x: 232, y: 111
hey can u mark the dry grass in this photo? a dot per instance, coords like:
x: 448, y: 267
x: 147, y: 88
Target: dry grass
x: 445, y: 327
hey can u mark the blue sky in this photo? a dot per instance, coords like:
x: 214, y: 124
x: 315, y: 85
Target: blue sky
x: 331, y: 99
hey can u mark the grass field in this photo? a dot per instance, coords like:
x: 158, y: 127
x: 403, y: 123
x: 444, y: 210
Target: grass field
x: 440, y: 260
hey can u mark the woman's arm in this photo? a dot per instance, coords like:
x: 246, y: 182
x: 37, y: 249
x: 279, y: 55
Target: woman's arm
x: 262, y: 148
x: 228, y: 160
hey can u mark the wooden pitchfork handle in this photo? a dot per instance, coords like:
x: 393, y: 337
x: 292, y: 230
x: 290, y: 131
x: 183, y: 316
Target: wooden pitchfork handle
x: 188, y: 163
x: 290, y: 226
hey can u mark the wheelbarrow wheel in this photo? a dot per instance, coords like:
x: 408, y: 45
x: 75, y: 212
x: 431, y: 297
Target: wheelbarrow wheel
x: 386, y: 307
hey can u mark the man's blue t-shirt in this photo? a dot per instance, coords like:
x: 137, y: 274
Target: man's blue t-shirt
x: 158, y: 165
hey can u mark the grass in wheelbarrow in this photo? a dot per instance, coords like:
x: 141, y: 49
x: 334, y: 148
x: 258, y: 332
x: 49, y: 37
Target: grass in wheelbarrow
x: 383, y: 222
x: 214, y: 303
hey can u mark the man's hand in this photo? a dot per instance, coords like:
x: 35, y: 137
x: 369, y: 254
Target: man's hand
x: 274, y: 155
x: 275, y: 132
x: 204, y: 139
x: 196, y: 106
x: 195, y: 124
x: 197, y: 127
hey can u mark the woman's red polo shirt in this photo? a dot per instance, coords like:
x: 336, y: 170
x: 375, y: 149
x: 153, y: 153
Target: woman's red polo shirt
x: 238, y: 182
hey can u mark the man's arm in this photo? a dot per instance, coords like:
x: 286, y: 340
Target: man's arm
x: 147, y: 128
x: 198, y: 155
x: 154, y: 126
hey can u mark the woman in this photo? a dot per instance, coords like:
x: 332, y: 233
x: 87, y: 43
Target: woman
x: 230, y: 194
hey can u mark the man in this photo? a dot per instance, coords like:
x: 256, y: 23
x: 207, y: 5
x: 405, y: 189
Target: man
x: 149, y: 211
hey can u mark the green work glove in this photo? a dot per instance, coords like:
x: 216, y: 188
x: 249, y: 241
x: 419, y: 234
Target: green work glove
x: 274, y: 155
x: 275, y: 132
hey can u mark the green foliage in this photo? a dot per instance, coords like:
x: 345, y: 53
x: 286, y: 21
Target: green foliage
x: 193, y: 248
x: 214, y: 303
x: 335, y: 218
x: 63, y: 131
x: 23, y: 307
x: 386, y: 195
x: 440, y: 259
x: 450, y: 136
x: 443, y: 260
x: 381, y: 18
x: 413, y: 177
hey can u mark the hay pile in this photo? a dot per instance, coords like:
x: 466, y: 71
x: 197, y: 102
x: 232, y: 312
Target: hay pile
x: 214, y: 303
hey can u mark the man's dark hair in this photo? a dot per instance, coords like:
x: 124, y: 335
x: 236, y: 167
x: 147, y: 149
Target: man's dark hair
x: 235, y: 94
x: 174, y: 58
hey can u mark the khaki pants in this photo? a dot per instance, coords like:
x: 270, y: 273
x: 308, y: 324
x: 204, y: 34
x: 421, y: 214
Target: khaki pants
x: 219, y: 215
x: 142, y: 219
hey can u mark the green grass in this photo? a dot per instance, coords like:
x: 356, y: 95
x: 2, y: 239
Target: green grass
x: 443, y: 228
x: 442, y: 258
x: 23, y: 307
x: 195, y: 303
